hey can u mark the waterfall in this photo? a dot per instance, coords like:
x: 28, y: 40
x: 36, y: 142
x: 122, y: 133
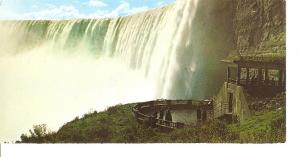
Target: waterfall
x: 171, y: 52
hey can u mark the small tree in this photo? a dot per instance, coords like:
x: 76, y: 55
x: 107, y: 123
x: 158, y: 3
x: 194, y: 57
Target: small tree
x: 40, y: 130
x: 37, y: 135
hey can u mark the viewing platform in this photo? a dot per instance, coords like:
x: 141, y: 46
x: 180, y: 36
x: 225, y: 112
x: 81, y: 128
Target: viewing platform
x: 171, y: 114
x: 257, y: 72
x: 248, y: 76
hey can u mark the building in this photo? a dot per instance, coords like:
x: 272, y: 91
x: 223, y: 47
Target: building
x: 249, y: 75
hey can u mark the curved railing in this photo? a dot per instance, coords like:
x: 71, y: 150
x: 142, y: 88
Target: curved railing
x: 142, y: 110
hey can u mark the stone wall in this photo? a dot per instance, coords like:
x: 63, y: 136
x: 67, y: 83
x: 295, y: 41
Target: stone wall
x: 240, y: 105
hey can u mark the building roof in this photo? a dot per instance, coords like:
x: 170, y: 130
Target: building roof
x: 262, y: 57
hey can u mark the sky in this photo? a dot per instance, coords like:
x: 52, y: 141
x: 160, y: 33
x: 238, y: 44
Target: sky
x: 70, y: 9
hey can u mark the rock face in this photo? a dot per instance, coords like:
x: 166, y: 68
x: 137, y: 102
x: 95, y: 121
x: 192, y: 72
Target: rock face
x: 259, y: 26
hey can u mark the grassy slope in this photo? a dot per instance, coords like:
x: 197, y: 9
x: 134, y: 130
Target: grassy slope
x: 118, y: 125
x: 267, y: 127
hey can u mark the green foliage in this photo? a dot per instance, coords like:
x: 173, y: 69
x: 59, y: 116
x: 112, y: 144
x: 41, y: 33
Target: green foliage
x: 39, y: 134
x: 118, y: 125
x: 269, y: 127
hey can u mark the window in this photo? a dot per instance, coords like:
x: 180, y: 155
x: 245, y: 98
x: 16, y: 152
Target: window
x: 253, y: 73
x: 263, y: 73
x: 273, y: 75
x: 243, y: 74
x: 232, y: 73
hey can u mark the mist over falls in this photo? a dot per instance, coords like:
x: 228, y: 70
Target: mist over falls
x: 62, y: 68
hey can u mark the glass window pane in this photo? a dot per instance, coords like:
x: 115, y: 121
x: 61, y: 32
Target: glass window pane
x: 263, y: 73
x: 273, y: 75
x: 243, y: 74
x: 253, y: 73
x: 233, y: 73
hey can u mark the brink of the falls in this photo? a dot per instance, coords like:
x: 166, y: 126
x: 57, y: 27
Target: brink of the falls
x: 62, y: 68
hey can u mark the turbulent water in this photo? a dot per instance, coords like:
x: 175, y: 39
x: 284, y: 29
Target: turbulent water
x: 52, y: 71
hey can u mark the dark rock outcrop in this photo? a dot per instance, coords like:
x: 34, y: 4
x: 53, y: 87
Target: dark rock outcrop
x: 259, y: 26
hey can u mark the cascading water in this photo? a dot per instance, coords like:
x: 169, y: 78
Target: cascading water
x: 52, y: 71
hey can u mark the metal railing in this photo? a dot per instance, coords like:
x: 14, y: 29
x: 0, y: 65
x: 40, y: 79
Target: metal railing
x: 274, y: 83
x: 140, y: 111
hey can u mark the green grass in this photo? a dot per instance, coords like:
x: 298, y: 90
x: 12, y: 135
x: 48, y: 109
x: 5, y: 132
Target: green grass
x: 268, y: 127
x: 118, y: 125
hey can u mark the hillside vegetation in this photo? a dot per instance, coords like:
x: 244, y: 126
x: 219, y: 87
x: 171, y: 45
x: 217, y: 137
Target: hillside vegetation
x: 118, y: 125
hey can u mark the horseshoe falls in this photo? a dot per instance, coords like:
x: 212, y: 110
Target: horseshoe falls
x: 54, y: 70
